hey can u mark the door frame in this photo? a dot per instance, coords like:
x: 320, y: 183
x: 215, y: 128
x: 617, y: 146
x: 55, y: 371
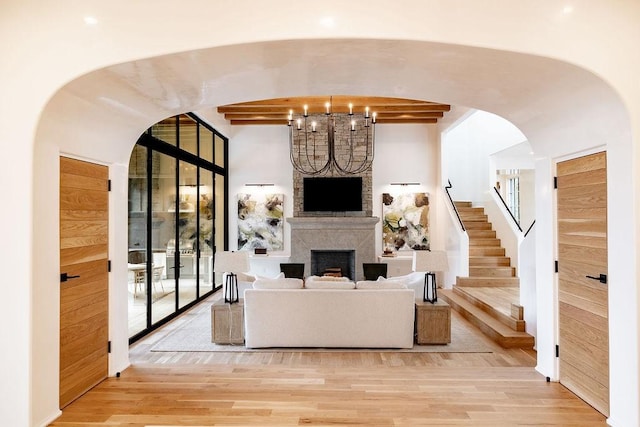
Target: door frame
x: 556, y: 276
x: 109, y: 235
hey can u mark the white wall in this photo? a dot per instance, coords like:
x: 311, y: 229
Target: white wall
x: 519, y: 156
x: 404, y: 153
x: 259, y: 154
x: 456, y: 243
x: 527, y: 275
x: 567, y: 77
x: 527, y: 198
x: 467, y: 149
x: 546, y: 289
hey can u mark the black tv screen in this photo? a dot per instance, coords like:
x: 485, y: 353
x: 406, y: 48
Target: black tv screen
x: 332, y: 194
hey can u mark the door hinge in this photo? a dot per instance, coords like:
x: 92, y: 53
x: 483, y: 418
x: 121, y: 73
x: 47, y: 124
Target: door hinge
x: 557, y: 350
x: 555, y: 182
x: 555, y: 263
x: 108, y: 185
x: 108, y: 346
x: 109, y: 266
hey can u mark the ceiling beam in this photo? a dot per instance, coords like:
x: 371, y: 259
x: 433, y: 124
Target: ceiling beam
x: 388, y: 110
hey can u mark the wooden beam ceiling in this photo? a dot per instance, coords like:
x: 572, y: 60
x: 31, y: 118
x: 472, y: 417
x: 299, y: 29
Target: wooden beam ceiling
x: 389, y: 110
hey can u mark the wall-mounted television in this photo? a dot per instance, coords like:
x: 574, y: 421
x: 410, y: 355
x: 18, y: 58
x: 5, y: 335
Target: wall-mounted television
x: 332, y: 194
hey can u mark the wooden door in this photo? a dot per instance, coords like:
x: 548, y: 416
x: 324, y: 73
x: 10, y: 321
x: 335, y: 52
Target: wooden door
x: 84, y: 292
x: 583, y: 292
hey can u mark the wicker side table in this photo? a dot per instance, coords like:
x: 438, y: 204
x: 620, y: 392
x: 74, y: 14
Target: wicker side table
x: 433, y: 322
x: 227, y: 322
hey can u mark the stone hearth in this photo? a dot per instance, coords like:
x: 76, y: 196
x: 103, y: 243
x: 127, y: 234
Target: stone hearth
x: 333, y: 233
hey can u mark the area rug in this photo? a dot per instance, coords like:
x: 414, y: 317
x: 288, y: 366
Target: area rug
x: 194, y: 335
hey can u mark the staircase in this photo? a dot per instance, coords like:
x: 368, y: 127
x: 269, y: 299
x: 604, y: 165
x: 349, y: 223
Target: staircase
x: 489, y: 297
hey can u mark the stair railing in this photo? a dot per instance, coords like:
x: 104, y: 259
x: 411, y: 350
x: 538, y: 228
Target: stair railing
x: 515, y: 221
x: 530, y: 227
x: 446, y: 189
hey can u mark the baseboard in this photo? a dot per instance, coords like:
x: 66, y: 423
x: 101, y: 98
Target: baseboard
x: 50, y: 420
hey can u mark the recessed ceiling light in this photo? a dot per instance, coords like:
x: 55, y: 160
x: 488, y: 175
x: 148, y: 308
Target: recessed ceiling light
x: 328, y: 22
x: 90, y: 20
x: 567, y: 9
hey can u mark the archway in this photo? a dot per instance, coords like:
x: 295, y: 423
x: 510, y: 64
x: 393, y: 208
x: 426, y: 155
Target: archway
x: 100, y: 115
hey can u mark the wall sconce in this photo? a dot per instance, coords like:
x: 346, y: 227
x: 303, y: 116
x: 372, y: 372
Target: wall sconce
x: 404, y: 184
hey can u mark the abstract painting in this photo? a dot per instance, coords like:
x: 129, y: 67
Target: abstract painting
x: 260, y: 221
x: 405, y: 221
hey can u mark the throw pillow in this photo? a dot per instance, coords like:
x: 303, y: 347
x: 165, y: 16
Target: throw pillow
x: 278, y: 276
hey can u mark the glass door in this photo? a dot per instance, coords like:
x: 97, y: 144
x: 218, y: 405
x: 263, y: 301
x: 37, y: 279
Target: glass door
x: 206, y: 232
x: 187, y: 233
x: 164, y: 203
x: 220, y: 222
x: 137, y: 256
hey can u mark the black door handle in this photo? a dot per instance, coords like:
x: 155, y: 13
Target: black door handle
x: 65, y: 276
x: 602, y: 278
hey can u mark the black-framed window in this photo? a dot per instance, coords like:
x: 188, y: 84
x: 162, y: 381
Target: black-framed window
x: 177, y: 219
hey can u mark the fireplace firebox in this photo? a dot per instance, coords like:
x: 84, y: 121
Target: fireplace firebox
x: 323, y: 261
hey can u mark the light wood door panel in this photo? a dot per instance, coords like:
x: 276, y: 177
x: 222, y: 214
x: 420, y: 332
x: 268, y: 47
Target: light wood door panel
x: 84, y: 246
x: 583, y: 301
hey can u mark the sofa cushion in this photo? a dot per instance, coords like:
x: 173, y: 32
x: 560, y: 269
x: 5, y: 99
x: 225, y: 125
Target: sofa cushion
x: 411, y: 279
x: 284, y: 283
x: 327, y: 279
x: 380, y: 284
x: 277, y: 276
x: 329, y: 284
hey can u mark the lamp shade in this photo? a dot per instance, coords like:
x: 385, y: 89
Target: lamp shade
x: 430, y: 261
x: 231, y: 262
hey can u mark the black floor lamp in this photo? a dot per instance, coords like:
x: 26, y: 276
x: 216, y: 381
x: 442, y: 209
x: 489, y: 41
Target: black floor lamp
x: 230, y: 263
x: 430, y: 262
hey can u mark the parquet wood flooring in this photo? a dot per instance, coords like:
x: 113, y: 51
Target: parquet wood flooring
x: 328, y: 388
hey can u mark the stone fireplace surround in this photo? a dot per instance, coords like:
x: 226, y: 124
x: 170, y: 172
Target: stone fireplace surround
x: 333, y: 233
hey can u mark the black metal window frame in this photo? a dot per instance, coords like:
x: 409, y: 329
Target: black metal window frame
x: 152, y: 143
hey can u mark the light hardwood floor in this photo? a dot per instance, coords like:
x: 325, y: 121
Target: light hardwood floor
x: 328, y: 388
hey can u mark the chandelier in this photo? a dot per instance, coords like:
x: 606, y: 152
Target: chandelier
x: 331, y: 140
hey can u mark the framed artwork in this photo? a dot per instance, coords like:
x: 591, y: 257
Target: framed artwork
x: 260, y: 222
x: 405, y: 221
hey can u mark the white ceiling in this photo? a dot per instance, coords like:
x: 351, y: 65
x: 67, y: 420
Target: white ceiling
x: 532, y: 92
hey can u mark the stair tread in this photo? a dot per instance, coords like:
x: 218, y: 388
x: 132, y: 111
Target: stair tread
x: 485, y: 317
x: 499, y: 278
x: 499, y: 299
x: 478, y: 257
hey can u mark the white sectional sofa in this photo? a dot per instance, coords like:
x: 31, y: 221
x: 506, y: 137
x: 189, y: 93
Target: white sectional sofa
x: 328, y: 316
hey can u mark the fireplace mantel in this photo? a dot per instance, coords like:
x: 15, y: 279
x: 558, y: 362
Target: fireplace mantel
x: 333, y: 222
x: 333, y: 233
